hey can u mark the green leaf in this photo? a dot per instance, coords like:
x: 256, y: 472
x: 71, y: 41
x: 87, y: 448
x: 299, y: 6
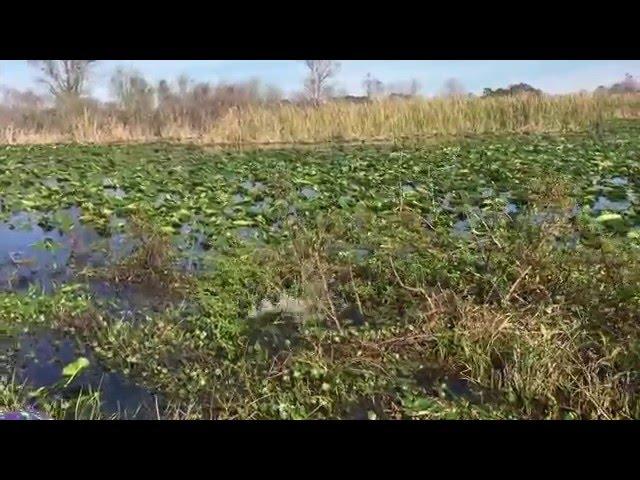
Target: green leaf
x: 243, y: 223
x: 75, y: 367
x: 609, y: 217
x: 37, y: 393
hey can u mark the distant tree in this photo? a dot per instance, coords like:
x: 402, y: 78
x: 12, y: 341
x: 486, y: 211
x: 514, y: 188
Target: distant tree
x: 601, y: 90
x: 132, y: 92
x: 317, y: 82
x: 272, y: 94
x: 628, y: 85
x: 65, y: 79
x: 163, y: 91
x: 372, y: 86
x: 184, y: 83
x: 403, y: 89
x: 22, y: 100
x: 353, y: 99
x: 414, y: 87
x: 453, y: 88
x: 515, y: 89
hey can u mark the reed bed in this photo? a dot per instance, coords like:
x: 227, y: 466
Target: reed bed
x: 386, y: 119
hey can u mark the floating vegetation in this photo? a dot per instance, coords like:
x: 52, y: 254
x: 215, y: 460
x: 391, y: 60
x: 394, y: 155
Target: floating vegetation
x: 471, y: 278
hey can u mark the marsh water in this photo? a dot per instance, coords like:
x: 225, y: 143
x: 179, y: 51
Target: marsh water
x: 37, y: 359
x: 41, y: 252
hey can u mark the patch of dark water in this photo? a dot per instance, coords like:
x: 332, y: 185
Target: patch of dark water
x: 568, y: 242
x: 603, y: 203
x: 351, y: 315
x: 309, y: 193
x: 32, y: 251
x: 360, y: 254
x: 462, y: 228
x: 618, y: 181
x: 131, y: 302
x: 47, y: 250
x: 274, y: 332
x: 437, y: 382
x: 511, y: 209
x: 37, y: 359
x: 465, y: 222
x: 367, y: 408
x: 193, y: 246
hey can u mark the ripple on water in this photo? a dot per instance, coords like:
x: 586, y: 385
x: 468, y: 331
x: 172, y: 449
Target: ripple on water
x: 603, y: 203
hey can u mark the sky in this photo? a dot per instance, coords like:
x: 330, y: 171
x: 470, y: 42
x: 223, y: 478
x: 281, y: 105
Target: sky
x: 552, y: 76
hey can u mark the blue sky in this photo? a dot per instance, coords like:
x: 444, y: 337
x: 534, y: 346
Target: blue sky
x: 553, y: 76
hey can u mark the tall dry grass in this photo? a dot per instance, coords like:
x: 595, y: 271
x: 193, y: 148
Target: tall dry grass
x: 289, y: 123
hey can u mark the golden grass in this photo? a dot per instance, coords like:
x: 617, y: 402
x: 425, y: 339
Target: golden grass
x: 341, y: 121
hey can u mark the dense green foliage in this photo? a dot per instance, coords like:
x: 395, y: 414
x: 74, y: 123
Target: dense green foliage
x: 481, y: 278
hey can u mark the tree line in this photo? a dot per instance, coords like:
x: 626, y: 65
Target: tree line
x: 67, y: 83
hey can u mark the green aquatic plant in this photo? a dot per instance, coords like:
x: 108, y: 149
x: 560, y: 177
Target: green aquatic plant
x: 72, y: 370
x: 328, y: 277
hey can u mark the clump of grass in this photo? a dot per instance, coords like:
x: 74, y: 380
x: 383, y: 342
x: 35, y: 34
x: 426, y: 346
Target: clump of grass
x: 83, y: 406
x: 152, y: 263
x: 541, y: 325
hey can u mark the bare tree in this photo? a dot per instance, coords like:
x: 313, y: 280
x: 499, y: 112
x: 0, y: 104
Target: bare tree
x: 372, y: 86
x: 22, y: 100
x: 64, y: 78
x: 132, y: 91
x: 628, y: 85
x: 453, y: 88
x: 272, y: 94
x: 184, y: 82
x: 316, y: 84
x: 403, y: 89
x: 163, y: 91
x: 414, y: 87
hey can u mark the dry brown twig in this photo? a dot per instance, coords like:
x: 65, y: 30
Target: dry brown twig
x: 419, y: 290
x: 325, y: 286
x: 516, y: 283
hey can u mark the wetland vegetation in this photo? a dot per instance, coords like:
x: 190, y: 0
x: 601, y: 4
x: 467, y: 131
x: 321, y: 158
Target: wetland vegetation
x: 488, y: 277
